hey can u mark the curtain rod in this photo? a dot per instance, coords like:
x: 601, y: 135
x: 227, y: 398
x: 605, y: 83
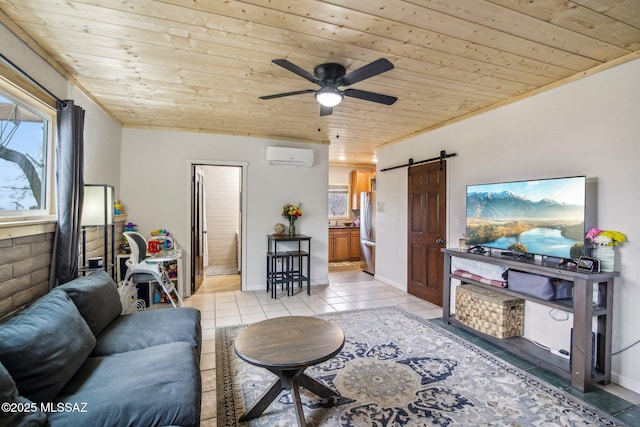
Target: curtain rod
x: 443, y: 155
x: 31, y: 79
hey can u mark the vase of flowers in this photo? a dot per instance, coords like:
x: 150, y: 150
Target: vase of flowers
x: 604, y: 241
x: 291, y: 213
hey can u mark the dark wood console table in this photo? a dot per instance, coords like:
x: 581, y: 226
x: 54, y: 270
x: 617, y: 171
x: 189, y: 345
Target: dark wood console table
x: 286, y: 346
x: 582, y: 306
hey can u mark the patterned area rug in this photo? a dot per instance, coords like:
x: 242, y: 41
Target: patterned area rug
x: 397, y: 369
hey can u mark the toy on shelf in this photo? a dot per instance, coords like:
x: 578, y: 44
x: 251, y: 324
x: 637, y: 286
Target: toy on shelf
x: 160, y: 296
x: 160, y: 232
x: 156, y: 296
x: 163, y: 297
x: 118, y: 208
x: 159, y: 241
x: 171, y: 268
x: 130, y: 227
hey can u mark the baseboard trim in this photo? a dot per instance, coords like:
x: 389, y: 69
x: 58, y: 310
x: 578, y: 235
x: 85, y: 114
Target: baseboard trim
x: 391, y: 283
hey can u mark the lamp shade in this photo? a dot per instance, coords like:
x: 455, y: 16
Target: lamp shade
x: 98, y: 205
x: 329, y: 97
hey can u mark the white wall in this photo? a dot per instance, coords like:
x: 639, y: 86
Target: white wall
x: 340, y: 175
x: 156, y: 191
x: 588, y: 127
x: 102, y: 147
x: 101, y: 132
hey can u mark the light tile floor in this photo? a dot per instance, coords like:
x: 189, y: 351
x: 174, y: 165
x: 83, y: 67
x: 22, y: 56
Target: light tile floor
x: 350, y: 289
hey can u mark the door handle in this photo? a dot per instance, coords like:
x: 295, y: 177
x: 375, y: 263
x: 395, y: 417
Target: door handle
x: 441, y: 241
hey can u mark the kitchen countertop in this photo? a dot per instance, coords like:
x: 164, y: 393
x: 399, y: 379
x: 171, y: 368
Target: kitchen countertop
x: 343, y: 226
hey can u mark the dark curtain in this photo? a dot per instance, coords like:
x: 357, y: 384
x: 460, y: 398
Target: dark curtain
x: 69, y: 192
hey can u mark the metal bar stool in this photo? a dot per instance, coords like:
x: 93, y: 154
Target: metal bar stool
x: 297, y: 272
x: 275, y: 277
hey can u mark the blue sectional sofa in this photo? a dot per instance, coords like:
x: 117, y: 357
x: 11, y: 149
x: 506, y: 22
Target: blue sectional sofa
x: 71, y: 359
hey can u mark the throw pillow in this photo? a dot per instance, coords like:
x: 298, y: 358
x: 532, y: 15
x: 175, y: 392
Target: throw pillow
x: 97, y: 299
x: 44, y: 345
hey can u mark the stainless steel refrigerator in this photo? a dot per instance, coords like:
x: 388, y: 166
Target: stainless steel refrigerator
x: 368, y: 232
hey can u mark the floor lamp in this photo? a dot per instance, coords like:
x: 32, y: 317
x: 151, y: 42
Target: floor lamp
x: 97, y: 211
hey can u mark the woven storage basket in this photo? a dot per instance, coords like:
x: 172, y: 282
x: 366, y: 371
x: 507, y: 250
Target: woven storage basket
x: 490, y: 312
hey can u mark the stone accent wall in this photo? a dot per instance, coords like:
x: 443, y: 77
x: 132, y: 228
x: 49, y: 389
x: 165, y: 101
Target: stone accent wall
x: 25, y: 264
x: 95, y: 242
x: 24, y: 270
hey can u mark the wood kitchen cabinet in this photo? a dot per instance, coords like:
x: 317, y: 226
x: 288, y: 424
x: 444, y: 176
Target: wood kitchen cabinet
x: 360, y: 181
x: 339, y: 244
x: 344, y: 244
x: 355, y: 244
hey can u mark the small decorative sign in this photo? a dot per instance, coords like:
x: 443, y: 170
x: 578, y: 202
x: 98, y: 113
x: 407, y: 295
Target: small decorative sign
x: 586, y: 263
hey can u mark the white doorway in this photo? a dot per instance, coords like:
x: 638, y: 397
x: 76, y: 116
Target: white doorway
x: 217, y: 227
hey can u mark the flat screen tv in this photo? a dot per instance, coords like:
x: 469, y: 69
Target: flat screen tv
x: 543, y: 217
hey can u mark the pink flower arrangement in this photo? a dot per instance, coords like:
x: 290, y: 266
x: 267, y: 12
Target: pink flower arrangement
x: 605, y: 237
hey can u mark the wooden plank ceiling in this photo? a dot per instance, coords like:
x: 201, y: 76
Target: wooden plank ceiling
x: 202, y: 64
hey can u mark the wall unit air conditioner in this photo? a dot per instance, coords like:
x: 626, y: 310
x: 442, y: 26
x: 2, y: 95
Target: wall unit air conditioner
x: 289, y: 156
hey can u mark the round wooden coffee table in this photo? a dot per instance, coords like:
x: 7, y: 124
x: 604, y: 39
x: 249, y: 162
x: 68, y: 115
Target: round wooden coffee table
x: 286, y: 346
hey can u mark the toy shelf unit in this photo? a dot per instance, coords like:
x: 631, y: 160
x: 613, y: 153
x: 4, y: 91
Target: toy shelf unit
x: 590, y: 305
x: 150, y: 291
x: 170, y: 270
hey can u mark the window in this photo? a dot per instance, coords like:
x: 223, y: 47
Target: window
x: 339, y: 201
x: 25, y: 155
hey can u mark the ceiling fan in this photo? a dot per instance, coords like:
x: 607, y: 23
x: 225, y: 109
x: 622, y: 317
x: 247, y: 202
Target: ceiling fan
x: 330, y: 76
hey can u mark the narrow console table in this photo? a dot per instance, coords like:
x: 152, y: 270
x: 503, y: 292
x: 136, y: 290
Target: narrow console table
x: 588, y: 364
x: 296, y: 264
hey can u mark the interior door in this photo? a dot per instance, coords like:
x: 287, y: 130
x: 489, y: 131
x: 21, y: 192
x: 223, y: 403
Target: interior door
x: 426, y: 234
x: 197, y: 228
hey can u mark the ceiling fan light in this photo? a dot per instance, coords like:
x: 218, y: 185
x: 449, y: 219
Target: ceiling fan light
x: 329, y: 97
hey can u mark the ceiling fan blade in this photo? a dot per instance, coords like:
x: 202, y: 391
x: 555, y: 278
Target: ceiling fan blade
x: 325, y: 111
x: 370, y: 96
x: 373, y: 69
x: 280, y: 95
x: 297, y: 70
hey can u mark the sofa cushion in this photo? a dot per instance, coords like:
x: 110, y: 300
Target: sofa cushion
x: 44, y: 345
x: 155, y: 386
x: 96, y: 297
x: 151, y: 327
x: 22, y: 411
